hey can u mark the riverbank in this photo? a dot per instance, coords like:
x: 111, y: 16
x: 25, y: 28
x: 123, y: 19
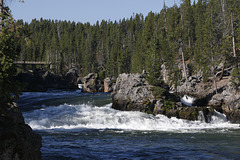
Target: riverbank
x: 132, y: 92
x: 41, y: 80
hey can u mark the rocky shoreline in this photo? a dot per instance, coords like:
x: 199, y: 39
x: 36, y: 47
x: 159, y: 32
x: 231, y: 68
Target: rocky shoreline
x: 132, y: 92
x: 41, y: 80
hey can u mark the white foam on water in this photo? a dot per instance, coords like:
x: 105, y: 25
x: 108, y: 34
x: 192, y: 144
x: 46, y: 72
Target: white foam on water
x: 91, y: 117
x: 187, y: 100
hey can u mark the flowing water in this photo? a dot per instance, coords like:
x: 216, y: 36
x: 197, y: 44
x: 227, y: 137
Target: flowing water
x: 84, y: 126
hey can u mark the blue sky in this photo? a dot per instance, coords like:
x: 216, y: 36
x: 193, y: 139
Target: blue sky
x: 84, y: 10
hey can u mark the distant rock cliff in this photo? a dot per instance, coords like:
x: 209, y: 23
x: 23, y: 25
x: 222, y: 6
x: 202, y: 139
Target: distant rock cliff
x: 17, y: 140
x: 41, y: 80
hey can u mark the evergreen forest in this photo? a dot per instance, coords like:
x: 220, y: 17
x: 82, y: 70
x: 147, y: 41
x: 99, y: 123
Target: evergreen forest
x: 190, y: 38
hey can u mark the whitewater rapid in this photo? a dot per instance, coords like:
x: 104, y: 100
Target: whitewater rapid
x: 86, y: 116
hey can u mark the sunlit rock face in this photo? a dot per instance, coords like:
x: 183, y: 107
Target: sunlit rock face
x: 92, y: 83
x: 133, y: 93
x: 228, y: 102
x: 130, y: 93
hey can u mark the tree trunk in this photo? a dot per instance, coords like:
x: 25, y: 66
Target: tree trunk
x: 1, y: 13
x: 189, y: 39
x: 233, y: 35
x: 183, y: 59
x: 181, y: 49
x: 223, y: 5
x: 220, y: 78
x: 212, y: 56
x: 165, y: 16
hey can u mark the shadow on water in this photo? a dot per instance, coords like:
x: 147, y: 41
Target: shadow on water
x: 37, y: 100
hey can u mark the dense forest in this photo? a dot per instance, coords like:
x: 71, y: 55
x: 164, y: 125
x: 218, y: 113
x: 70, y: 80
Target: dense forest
x: 188, y: 39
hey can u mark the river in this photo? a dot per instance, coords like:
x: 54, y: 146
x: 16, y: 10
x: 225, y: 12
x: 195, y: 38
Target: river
x: 77, y: 126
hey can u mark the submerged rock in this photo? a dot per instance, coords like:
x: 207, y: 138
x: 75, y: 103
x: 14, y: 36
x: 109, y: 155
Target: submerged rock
x: 17, y: 140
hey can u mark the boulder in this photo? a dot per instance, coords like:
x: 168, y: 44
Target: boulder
x: 132, y: 93
x: 108, y: 85
x: 71, y: 79
x: 92, y: 83
x: 18, y: 141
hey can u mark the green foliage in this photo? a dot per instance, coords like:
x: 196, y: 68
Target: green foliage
x: 168, y: 105
x: 236, y: 77
x: 8, y: 38
x: 154, y: 80
x: 158, y: 92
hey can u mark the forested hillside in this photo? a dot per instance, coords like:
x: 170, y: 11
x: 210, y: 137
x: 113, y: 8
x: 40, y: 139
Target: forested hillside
x: 205, y: 34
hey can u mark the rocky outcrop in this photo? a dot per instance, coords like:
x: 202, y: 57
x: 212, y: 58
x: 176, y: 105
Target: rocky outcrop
x: 133, y: 93
x: 227, y: 102
x: 41, y: 80
x: 92, y: 83
x: 17, y: 140
x: 71, y: 79
x: 192, y: 86
x: 182, y: 111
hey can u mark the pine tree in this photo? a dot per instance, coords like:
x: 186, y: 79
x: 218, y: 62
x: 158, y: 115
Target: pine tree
x: 211, y: 43
x: 148, y: 33
x: 200, y: 20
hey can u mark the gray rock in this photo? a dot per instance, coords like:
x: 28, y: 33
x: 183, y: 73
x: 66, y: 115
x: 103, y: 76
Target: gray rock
x: 216, y: 100
x: 131, y: 92
x: 228, y: 102
x: 92, y: 83
x: 70, y: 80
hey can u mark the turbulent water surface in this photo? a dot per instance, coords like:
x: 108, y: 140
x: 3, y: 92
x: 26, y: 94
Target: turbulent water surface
x: 84, y: 126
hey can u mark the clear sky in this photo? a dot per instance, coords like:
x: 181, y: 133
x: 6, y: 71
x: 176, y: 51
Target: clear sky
x: 84, y: 10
